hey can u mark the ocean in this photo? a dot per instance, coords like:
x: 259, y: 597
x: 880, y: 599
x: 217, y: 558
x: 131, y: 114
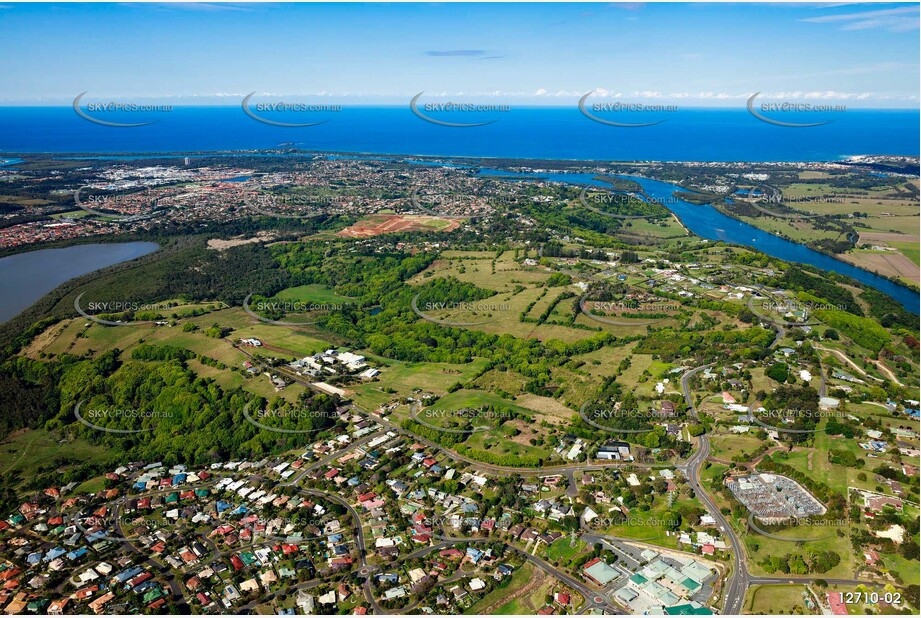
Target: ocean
x: 538, y: 133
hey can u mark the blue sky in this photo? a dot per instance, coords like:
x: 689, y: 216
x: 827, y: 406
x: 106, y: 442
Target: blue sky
x: 865, y: 55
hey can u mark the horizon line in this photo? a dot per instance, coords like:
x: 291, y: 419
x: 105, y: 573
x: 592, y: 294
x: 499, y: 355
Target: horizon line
x: 521, y: 106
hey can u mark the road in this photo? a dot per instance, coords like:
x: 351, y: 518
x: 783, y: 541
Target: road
x: 179, y: 598
x: 364, y: 569
x: 592, y: 598
x: 738, y: 580
x: 499, y: 470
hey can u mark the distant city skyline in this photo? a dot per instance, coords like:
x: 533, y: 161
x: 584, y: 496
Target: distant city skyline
x: 690, y: 55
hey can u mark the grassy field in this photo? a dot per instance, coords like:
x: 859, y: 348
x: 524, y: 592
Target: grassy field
x: 821, y: 538
x: 91, y: 486
x: 814, y: 462
x: 499, y: 436
x: 649, y: 525
x: 284, y: 342
x: 563, y: 550
x: 600, y: 362
x: 511, y: 382
x: 29, y: 453
x: 892, y: 220
x: 80, y: 337
x: 469, y: 399
x: 776, y: 599
x: 498, y: 444
x: 403, y: 378
x: 909, y: 250
x: 727, y: 446
x: 907, y: 570
x: 888, y: 263
x: 524, y: 577
x: 477, y: 268
x: 258, y: 384
x: 502, y: 277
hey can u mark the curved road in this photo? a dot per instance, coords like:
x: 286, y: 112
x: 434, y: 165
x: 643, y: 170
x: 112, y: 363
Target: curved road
x: 499, y: 470
x: 738, y: 580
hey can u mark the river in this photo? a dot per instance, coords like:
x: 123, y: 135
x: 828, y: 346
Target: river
x: 708, y: 222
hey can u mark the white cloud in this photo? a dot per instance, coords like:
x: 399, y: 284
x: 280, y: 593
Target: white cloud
x: 900, y: 19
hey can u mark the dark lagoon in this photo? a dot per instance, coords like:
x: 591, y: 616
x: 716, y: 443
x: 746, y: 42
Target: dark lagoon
x: 26, y: 277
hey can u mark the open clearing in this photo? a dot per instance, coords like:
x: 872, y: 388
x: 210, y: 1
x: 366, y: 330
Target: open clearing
x: 375, y: 225
x: 888, y: 263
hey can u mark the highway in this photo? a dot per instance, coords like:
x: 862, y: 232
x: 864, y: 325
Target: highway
x: 738, y: 580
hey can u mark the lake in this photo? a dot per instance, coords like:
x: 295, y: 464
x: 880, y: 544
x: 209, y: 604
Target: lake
x: 26, y: 277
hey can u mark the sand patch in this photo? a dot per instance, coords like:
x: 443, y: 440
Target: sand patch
x: 219, y: 244
x: 551, y: 410
x: 376, y: 225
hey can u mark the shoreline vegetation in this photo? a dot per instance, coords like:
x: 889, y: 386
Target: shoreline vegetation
x: 283, y: 151
x: 618, y: 184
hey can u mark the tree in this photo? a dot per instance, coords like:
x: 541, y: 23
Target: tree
x: 672, y: 520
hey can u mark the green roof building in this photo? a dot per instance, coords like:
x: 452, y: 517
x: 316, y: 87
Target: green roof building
x: 688, y: 609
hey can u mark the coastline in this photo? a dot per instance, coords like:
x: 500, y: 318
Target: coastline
x: 536, y: 169
x: 281, y: 151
